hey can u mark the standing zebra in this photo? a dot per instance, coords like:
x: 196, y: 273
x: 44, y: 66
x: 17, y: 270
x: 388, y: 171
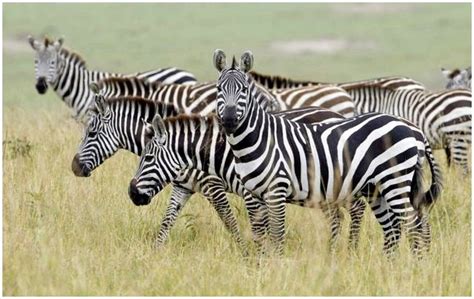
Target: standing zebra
x: 444, y: 116
x: 200, y: 98
x: 121, y: 123
x: 457, y: 78
x: 326, y: 165
x: 66, y: 72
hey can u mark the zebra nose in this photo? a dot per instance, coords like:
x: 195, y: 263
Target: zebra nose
x: 79, y: 169
x: 229, y: 119
x: 137, y: 198
x: 41, y: 85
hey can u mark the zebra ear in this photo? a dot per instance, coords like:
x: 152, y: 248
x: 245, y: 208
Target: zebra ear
x: 34, y: 43
x: 101, y: 104
x: 246, y: 61
x: 59, y: 43
x: 219, y: 60
x: 94, y: 87
x: 159, y: 128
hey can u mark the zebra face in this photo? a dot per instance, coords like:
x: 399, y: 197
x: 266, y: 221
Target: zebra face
x: 157, y: 167
x: 47, y: 62
x: 458, y: 78
x: 99, y: 142
x: 233, y: 89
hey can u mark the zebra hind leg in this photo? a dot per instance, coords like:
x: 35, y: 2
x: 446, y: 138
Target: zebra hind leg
x: 356, y: 211
x: 333, y: 213
x: 179, y: 197
x: 390, y: 225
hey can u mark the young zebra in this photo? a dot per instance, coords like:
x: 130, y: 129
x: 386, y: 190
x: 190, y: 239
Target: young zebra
x: 200, y: 98
x: 66, y: 72
x: 120, y: 123
x: 457, y: 78
x: 374, y: 155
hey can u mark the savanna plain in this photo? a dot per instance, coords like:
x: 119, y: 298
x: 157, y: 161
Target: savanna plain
x: 64, y: 235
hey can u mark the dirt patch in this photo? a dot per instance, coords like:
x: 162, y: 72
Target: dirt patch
x: 321, y: 46
x: 376, y: 8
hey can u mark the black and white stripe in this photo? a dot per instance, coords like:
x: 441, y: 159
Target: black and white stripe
x: 374, y: 155
x: 67, y: 73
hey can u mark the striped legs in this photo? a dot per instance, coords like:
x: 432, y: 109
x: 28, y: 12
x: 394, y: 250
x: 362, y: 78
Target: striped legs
x: 213, y: 189
x: 459, y: 149
x: 333, y: 213
x: 275, y: 202
x: 179, y: 197
x: 356, y: 211
x: 258, y: 216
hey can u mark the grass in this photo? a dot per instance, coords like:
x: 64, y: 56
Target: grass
x: 70, y: 236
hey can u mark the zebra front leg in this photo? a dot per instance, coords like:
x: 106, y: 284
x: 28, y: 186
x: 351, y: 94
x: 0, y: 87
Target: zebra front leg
x: 276, y: 206
x: 258, y: 216
x: 356, y: 211
x: 334, y: 215
x: 214, y: 190
x: 179, y: 197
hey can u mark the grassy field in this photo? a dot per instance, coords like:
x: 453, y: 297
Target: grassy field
x: 64, y: 235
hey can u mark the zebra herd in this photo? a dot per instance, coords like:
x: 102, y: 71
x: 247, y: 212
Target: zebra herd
x: 271, y: 140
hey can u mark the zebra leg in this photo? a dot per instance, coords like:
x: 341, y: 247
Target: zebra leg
x: 447, y: 150
x: 334, y: 215
x: 258, y: 216
x: 426, y: 232
x: 460, y: 150
x: 390, y: 225
x: 179, y: 197
x: 356, y: 212
x: 398, y: 199
x: 214, y: 190
x: 275, y: 202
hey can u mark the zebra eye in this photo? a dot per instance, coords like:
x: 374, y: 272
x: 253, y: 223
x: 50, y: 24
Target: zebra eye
x: 92, y: 134
x: 244, y: 89
x: 219, y: 89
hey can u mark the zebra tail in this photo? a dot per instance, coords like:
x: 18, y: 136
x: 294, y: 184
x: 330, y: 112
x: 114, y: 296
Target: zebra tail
x: 436, y: 187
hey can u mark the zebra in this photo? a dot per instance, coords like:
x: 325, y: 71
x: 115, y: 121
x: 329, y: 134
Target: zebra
x: 457, y: 78
x: 66, y: 72
x: 444, y: 116
x: 121, y: 123
x: 373, y: 155
x: 277, y: 82
x: 200, y: 98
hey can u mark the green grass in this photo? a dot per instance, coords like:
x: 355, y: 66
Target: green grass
x: 70, y: 236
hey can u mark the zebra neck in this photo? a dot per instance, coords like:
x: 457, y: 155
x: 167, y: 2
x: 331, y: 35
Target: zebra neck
x: 194, y: 140
x: 72, y: 84
x: 131, y: 120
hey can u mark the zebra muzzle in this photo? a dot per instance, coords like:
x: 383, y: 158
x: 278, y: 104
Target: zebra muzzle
x: 229, y: 119
x: 41, y: 85
x: 78, y: 168
x: 139, y: 199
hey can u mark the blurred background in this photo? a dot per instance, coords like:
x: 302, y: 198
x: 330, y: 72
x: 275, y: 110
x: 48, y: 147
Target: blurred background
x: 324, y: 42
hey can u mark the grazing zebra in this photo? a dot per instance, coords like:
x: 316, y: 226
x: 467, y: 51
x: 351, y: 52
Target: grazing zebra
x: 457, y: 78
x: 120, y: 123
x: 200, y: 98
x: 66, y: 72
x: 373, y: 155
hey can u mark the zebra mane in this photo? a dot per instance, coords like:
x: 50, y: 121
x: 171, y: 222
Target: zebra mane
x: 234, y: 63
x: 127, y: 80
x: 73, y: 56
x: 454, y: 73
x: 278, y: 80
x: 390, y: 83
x: 47, y: 41
x: 128, y: 99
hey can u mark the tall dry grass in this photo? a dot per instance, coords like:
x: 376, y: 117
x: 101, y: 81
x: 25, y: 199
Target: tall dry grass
x: 72, y: 236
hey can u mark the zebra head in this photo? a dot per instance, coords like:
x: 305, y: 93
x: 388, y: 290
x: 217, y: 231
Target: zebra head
x: 47, y: 61
x: 233, y: 89
x: 100, y: 140
x: 158, y: 166
x: 457, y: 78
